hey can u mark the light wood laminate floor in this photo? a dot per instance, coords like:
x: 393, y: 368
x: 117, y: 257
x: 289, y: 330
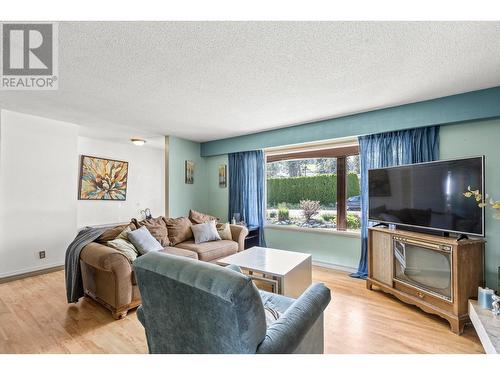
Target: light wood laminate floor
x: 35, y: 318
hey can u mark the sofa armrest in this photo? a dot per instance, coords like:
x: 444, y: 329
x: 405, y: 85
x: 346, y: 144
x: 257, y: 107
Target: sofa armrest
x: 107, y: 276
x: 286, y: 334
x: 105, y: 258
x: 239, y: 233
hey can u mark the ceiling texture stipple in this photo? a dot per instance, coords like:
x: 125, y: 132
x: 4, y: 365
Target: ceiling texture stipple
x: 210, y: 80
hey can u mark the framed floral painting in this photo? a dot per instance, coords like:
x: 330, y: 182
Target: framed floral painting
x: 102, y: 179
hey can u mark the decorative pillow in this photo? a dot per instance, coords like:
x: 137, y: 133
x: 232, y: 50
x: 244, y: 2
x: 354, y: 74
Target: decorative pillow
x: 199, y: 218
x: 156, y: 227
x: 179, y: 230
x: 124, y: 233
x: 205, y: 232
x: 143, y: 240
x: 121, y: 243
x: 112, y: 233
x: 224, y: 231
x: 272, y: 315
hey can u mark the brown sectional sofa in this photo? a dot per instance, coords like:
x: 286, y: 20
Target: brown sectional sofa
x: 108, y: 276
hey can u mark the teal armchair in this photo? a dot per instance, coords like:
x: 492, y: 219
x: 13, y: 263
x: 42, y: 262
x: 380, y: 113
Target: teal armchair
x: 190, y: 306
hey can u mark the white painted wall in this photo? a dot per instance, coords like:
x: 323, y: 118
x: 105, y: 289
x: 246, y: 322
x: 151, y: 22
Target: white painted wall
x: 39, y: 209
x: 146, y: 182
x: 38, y: 182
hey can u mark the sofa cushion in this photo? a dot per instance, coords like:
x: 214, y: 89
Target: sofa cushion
x: 179, y: 230
x: 157, y: 227
x: 124, y: 247
x: 122, y: 244
x: 112, y: 232
x: 209, y: 251
x: 205, y: 232
x: 200, y: 218
x: 224, y: 231
x: 143, y: 241
x: 179, y: 252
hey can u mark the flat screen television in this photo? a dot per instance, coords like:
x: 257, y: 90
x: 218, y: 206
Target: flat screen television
x: 429, y: 195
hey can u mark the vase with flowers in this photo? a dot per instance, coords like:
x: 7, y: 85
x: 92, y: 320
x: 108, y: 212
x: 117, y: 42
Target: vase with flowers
x: 484, y: 201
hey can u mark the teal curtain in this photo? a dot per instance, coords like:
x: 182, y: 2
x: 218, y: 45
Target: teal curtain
x: 246, y: 188
x: 387, y: 150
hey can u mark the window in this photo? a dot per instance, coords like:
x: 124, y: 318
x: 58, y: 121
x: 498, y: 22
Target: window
x: 314, y: 188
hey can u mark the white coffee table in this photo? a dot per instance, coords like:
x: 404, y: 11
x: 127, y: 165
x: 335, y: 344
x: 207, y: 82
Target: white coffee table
x: 288, y: 272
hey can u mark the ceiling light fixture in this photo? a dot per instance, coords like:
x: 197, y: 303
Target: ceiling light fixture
x: 138, y: 141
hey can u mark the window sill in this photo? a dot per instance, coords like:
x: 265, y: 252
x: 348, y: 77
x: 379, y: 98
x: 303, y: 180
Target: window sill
x: 333, y: 232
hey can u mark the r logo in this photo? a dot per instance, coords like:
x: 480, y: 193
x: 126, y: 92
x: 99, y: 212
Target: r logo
x: 27, y: 49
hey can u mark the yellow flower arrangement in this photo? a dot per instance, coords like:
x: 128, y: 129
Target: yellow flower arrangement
x: 482, y: 202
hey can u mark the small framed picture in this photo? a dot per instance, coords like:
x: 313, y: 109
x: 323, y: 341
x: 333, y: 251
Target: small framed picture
x: 189, y: 172
x: 223, y: 176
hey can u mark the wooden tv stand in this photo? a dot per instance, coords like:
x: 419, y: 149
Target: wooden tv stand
x: 467, y: 259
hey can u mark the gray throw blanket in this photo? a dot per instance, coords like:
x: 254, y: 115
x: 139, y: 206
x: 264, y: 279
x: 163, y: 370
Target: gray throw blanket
x: 74, y: 282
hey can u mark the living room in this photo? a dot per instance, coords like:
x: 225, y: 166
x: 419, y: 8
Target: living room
x: 200, y: 186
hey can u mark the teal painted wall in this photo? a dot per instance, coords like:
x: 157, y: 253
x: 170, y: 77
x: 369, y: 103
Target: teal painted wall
x: 472, y: 139
x: 328, y: 248
x: 182, y: 196
x: 218, y: 204
x: 482, y: 104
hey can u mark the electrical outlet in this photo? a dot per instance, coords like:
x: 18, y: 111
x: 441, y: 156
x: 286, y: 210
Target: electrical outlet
x: 41, y: 254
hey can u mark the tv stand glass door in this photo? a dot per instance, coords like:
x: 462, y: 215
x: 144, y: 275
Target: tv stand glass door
x: 424, y: 265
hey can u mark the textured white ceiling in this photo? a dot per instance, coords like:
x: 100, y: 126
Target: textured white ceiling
x: 211, y: 80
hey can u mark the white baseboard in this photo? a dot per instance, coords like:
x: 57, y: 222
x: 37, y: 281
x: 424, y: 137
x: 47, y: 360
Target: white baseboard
x: 334, y: 266
x: 30, y: 269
